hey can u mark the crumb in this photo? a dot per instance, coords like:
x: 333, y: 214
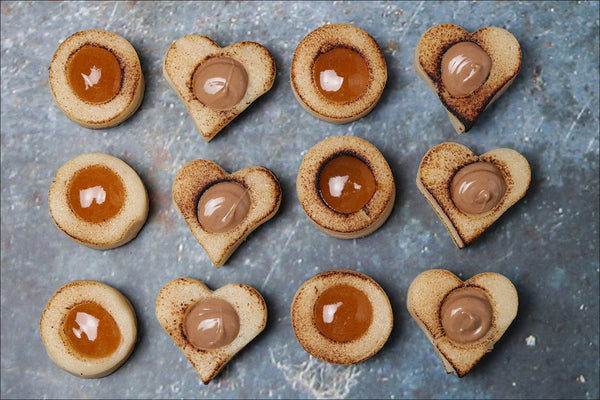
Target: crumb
x: 530, y: 340
x: 580, y: 379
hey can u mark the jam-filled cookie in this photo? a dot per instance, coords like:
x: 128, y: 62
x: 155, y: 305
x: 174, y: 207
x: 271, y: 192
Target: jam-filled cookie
x: 462, y: 320
x: 96, y: 79
x: 469, y: 192
x: 216, y: 84
x: 338, y: 73
x: 98, y: 200
x: 210, y: 327
x: 346, y: 187
x: 89, y: 328
x: 341, y: 316
x: 467, y: 71
x: 222, y: 209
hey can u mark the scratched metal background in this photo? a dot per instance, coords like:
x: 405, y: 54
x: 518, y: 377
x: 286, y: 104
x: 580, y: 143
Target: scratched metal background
x: 547, y: 244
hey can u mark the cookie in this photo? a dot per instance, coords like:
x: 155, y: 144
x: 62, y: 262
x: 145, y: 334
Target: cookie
x: 96, y: 79
x: 346, y: 187
x: 89, y: 329
x: 210, y: 327
x: 498, y: 179
x: 467, y: 71
x: 98, y: 200
x: 216, y: 84
x: 222, y: 209
x: 341, y: 316
x: 462, y: 320
x: 338, y: 73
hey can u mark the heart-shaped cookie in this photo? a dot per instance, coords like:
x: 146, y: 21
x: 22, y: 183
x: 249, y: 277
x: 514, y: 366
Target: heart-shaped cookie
x: 426, y: 296
x: 440, y: 165
x: 177, y: 297
x: 503, y: 50
x: 189, y: 53
x: 196, y: 176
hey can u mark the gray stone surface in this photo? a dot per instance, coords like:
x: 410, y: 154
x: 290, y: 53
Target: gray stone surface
x: 547, y: 244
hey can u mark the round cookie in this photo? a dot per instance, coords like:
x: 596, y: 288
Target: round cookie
x: 342, y: 224
x: 359, y: 51
x: 332, y: 344
x: 114, y: 68
x: 81, y: 201
x: 79, y: 355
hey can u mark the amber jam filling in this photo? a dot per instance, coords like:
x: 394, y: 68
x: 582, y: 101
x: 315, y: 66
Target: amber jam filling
x: 96, y: 194
x: 346, y: 184
x: 92, y: 331
x: 343, y: 313
x: 341, y: 74
x: 94, y: 74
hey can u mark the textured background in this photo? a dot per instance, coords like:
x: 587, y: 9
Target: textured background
x: 547, y: 244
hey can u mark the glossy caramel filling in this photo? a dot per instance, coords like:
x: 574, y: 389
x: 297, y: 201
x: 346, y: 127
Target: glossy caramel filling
x: 211, y: 323
x: 343, y: 313
x: 223, y: 206
x: 96, y: 194
x: 346, y: 184
x: 341, y: 74
x: 91, y: 331
x: 94, y: 74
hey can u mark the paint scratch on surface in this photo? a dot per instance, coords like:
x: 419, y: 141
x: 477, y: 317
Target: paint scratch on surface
x: 112, y: 16
x: 275, y: 262
x: 574, y: 123
x: 410, y: 21
x: 320, y: 379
